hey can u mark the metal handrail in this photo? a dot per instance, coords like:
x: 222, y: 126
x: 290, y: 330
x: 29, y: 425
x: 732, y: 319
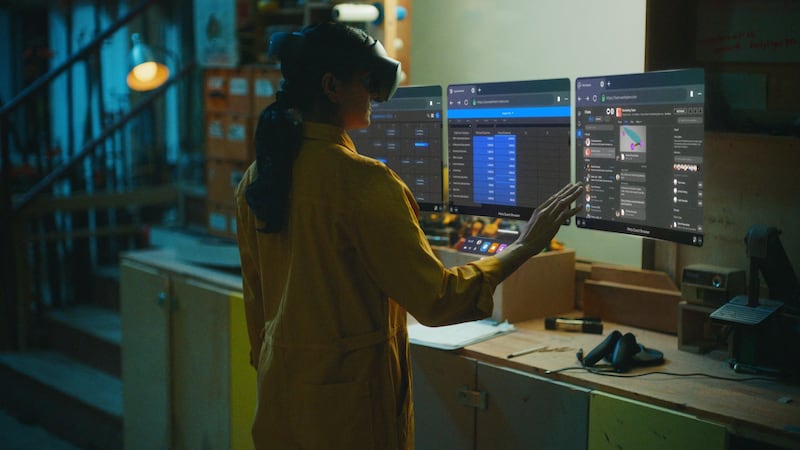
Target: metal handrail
x: 45, y: 79
x: 7, y: 208
x: 89, y: 147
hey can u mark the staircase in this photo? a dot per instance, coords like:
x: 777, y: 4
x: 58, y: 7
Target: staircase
x: 60, y: 383
x: 71, y: 386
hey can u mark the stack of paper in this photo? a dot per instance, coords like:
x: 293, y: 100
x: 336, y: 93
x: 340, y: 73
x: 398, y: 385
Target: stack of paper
x: 451, y: 337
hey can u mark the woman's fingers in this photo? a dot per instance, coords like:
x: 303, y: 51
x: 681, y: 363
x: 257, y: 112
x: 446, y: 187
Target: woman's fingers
x: 562, y: 200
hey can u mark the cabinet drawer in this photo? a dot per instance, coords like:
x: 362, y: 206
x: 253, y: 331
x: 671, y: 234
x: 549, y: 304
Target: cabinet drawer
x: 616, y: 422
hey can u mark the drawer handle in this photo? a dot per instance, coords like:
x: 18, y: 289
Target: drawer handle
x: 473, y: 399
x: 162, y: 298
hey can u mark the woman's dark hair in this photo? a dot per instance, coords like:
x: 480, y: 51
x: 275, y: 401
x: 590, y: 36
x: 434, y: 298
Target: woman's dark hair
x: 305, y: 57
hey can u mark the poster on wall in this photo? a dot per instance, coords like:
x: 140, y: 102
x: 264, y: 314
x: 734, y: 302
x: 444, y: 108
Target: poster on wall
x: 748, y: 30
x: 215, y: 33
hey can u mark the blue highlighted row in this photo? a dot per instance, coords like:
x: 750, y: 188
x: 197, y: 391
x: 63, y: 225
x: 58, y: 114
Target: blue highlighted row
x: 499, y: 113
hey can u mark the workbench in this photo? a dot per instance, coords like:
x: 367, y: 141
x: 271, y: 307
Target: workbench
x: 474, y: 397
x: 530, y: 401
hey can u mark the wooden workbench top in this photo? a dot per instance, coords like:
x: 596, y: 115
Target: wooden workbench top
x: 760, y: 409
x: 168, y: 259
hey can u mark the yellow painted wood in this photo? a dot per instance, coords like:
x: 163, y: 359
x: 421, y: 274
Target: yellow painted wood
x: 243, y: 376
x: 619, y: 423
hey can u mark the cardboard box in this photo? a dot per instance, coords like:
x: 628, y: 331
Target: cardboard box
x: 239, y: 138
x: 240, y: 98
x: 229, y: 137
x: 543, y: 286
x: 221, y: 220
x: 222, y: 177
x: 215, y: 90
x: 266, y: 83
x: 697, y: 333
x: 215, y: 135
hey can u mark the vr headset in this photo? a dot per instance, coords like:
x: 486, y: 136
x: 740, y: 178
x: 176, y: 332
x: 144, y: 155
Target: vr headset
x: 384, y: 71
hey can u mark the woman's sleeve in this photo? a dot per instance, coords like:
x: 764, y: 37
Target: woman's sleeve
x: 399, y: 258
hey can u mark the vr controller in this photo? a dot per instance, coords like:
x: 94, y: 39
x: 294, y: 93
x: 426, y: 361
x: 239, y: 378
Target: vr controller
x: 384, y: 71
x: 623, y: 352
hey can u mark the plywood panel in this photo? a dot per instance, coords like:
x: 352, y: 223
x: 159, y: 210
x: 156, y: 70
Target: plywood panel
x: 200, y: 370
x: 526, y: 411
x: 440, y: 420
x: 144, y: 313
x: 628, y: 275
x: 653, y: 309
x: 749, y: 180
x: 543, y: 286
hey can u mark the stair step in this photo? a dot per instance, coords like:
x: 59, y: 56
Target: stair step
x: 105, y: 287
x: 101, y: 323
x: 89, y: 334
x: 17, y: 435
x: 72, y: 400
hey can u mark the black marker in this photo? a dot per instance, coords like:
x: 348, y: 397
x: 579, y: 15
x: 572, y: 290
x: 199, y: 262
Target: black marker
x: 585, y: 324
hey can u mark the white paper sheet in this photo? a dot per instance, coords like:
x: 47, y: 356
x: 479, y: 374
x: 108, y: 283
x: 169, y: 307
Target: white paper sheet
x: 451, y: 337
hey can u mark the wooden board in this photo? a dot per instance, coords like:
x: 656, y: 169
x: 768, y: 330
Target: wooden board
x: 642, y: 298
x: 643, y: 307
x: 629, y: 275
x: 543, y: 286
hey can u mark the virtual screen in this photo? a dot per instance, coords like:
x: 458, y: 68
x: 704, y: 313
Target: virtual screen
x: 508, y: 146
x: 639, y: 153
x: 406, y: 135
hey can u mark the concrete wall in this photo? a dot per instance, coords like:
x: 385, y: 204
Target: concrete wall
x: 458, y: 41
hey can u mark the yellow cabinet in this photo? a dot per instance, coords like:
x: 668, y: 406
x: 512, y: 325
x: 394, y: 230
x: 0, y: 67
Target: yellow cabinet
x: 187, y: 382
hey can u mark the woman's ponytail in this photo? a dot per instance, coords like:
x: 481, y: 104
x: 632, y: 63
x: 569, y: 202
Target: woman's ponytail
x: 277, y: 141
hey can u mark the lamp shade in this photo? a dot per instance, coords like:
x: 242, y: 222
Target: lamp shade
x: 146, y: 73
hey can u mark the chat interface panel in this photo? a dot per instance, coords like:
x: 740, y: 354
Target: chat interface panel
x: 639, y: 153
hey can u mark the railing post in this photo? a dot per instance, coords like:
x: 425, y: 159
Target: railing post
x: 8, y: 293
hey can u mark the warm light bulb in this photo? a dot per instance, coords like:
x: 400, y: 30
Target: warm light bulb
x: 146, y: 71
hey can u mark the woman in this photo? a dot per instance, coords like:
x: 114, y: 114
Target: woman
x: 333, y: 257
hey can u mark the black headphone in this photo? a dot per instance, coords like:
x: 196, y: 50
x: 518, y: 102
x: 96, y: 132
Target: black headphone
x: 623, y: 352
